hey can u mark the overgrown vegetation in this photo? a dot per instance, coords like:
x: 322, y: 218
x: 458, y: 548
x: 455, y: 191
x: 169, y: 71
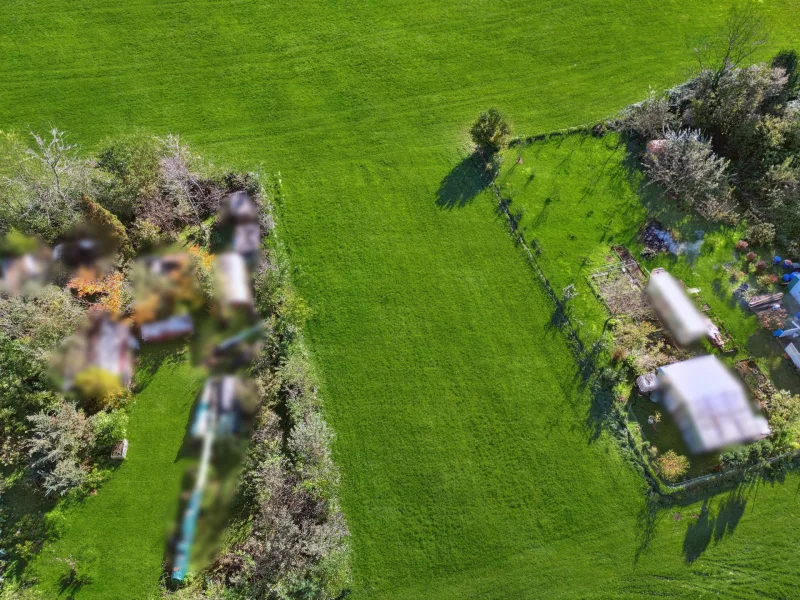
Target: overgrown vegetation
x: 297, y: 540
x: 728, y: 138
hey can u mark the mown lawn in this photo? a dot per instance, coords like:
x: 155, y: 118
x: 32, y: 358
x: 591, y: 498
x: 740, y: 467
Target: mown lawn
x: 119, y: 536
x: 469, y: 468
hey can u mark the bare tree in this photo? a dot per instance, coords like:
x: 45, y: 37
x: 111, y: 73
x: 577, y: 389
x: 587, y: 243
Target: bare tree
x: 46, y: 189
x: 191, y: 193
x: 742, y: 36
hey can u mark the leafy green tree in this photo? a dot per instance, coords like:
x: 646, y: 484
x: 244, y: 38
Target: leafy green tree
x: 490, y: 133
x: 132, y: 162
x: 689, y: 172
x: 23, y: 391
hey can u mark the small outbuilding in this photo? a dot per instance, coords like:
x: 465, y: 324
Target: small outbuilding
x: 169, y: 329
x: 247, y: 239
x: 238, y: 207
x: 233, y: 281
x: 709, y: 404
x: 647, y: 383
x: 675, y: 309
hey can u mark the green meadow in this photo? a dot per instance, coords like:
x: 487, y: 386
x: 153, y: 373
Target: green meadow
x: 471, y: 466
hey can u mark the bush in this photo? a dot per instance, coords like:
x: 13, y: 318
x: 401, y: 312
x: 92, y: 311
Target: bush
x: 767, y: 281
x: 783, y: 409
x: 60, y: 442
x: 619, y: 354
x: 690, y: 173
x: 772, y: 319
x: 98, y: 389
x: 108, y: 227
x: 761, y: 266
x: 109, y: 428
x: 649, y: 119
x: 761, y: 234
x: 751, y: 257
x: 741, y: 245
x: 132, y: 163
x: 672, y: 466
x: 490, y: 133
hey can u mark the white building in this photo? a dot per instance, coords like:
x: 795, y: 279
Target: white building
x: 675, y: 308
x: 233, y: 281
x: 709, y: 404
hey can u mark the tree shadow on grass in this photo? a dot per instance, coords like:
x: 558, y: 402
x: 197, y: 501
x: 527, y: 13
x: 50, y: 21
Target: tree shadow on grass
x: 70, y: 584
x: 153, y: 356
x: 716, y: 519
x: 698, y: 534
x: 468, y: 179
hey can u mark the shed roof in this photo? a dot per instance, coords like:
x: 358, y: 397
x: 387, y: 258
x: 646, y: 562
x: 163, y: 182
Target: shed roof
x: 710, y: 404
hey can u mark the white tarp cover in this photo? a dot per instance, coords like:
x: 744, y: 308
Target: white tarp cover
x: 675, y: 309
x: 710, y: 404
x: 233, y: 279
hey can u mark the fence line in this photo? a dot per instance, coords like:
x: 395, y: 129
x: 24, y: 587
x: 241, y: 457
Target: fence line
x: 656, y: 483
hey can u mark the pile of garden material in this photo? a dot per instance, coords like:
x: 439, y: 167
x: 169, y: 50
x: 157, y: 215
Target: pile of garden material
x: 622, y: 293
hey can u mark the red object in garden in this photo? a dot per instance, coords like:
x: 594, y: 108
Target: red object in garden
x: 751, y: 256
x: 761, y: 266
x: 741, y: 245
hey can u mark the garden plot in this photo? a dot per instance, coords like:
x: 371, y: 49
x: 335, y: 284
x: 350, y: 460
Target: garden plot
x: 653, y: 230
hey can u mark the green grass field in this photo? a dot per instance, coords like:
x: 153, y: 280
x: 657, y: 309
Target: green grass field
x: 468, y: 465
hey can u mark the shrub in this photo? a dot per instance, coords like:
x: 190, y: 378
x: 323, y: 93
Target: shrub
x: 109, y: 428
x: 761, y: 266
x: 649, y: 119
x: 689, y: 172
x: 761, y: 234
x: 60, y: 442
x: 619, y: 354
x: 751, y: 257
x: 145, y: 236
x: 98, y: 388
x: 783, y: 408
x: 490, y: 133
x: 766, y: 281
x: 672, y: 466
x: 741, y: 245
x: 772, y: 319
x: 108, y: 226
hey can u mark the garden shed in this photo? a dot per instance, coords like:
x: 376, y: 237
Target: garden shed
x: 675, y: 308
x: 233, y: 281
x: 710, y: 404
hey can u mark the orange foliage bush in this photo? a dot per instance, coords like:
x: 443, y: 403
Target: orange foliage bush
x: 86, y: 284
